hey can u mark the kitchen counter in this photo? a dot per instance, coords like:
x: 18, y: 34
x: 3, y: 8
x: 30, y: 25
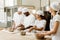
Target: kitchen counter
x: 5, y: 35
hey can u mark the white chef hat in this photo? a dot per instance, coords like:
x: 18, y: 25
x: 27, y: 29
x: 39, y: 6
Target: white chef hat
x: 39, y: 12
x: 55, y: 6
x: 25, y: 10
x: 20, y: 9
x: 33, y: 11
x: 47, y: 8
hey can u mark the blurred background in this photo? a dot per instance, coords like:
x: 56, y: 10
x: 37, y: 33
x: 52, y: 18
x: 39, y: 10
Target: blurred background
x: 9, y: 7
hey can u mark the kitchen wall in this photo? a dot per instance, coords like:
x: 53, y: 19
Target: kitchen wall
x: 36, y: 3
x: 9, y: 3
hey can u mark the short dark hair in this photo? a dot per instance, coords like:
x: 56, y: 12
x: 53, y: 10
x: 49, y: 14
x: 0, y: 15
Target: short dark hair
x: 43, y: 17
x: 27, y: 13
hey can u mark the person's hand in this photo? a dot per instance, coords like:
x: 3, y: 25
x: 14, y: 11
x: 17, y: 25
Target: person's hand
x: 22, y: 28
x: 20, y: 25
x: 39, y: 36
x: 11, y: 29
x: 34, y: 27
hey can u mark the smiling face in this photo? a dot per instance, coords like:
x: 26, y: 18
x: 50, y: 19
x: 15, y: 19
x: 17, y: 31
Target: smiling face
x: 52, y: 11
x: 26, y: 13
x: 37, y: 16
x: 19, y: 12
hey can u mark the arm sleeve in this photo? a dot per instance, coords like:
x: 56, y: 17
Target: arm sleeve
x: 57, y: 18
x: 43, y: 24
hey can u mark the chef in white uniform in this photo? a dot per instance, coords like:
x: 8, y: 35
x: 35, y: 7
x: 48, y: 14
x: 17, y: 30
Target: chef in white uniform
x: 29, y: 18
x: 18, y: 18
x: 55, y: 22
x: 40, y: 22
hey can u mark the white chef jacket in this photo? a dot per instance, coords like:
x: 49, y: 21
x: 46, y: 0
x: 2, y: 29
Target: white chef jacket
x: 29, y: 20
x: 18, y: 19
x: 57, y: 35
x: 40, y: 23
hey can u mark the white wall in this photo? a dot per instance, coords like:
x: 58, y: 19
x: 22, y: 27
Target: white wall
x: 2, y: 10
x: 35, y: 3
x: 1, y: 3
x: 2, y: 14
x: 55, y: 1
x: 44, y: 3
x: 9, y: 3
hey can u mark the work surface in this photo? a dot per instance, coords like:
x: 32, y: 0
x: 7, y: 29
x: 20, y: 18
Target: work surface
x: 6, y: 35
x: 16, y: 36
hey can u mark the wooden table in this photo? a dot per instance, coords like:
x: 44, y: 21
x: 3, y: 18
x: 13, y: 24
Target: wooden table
x: 17, y: 36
